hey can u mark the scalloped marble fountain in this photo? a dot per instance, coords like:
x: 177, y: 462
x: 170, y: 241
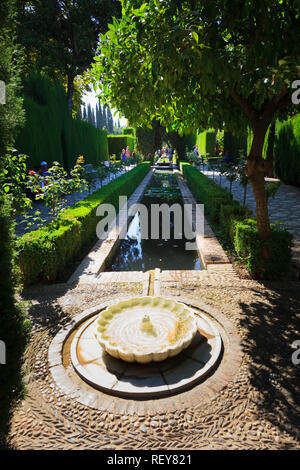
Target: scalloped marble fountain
x: 146, y: 329
x: 145, y: 347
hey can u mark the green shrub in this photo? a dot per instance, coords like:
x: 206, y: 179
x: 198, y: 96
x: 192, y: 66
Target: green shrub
x: 56, y: 136
x: 118, y: 142
x: 129, y: 131
x: 206, y: 191
x: 14, y: 326
x: 206, y: 142
x: 181, y: 142
x: 264, y: 259
x: 230, y: 215
x: 235, y: 143
x: 44, y: 253
x: 287, y: 151
x: 254, y: 252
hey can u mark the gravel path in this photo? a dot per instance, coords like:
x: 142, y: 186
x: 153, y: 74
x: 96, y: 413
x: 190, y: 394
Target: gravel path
x: 20, y: 228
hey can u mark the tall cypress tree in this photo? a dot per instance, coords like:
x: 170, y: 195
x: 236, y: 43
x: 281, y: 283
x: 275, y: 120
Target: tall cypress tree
x: 79, y: 113
x: 101, y: 116
x: 89, y: 114
x: 105, y: 123
x: 61, y: 37
x: 14, y: 326
x: 97, y: 116
x: 84, y: 113
x: 110, y: 121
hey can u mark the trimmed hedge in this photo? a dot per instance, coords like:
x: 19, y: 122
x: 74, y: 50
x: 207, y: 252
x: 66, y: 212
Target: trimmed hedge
x: 129, y: 131
x: 181, y: 142
x: 206, y: 142
x: 234, y: 144
x: 287, y: 150
x: 118, y: 142
x: 45, y: 253
x: 240, y: 229
x: 14, y: 325
x: 50, y: 133
x: 252, y: 250
x: 207, y: 191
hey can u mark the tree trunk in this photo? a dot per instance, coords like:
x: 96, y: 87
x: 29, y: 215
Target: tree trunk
x: 70, y: 91
x: 257, y: 168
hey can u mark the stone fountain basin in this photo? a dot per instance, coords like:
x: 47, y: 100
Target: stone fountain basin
x: 170, y: 328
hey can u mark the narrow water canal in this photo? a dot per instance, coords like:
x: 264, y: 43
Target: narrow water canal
x: 137, y: 254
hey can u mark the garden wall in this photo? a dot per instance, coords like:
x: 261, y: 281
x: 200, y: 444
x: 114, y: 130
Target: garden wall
x: 118, y: 142
x: 206, y: 142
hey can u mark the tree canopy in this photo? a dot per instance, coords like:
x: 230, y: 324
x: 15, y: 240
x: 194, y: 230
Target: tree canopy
x: 60, y: 36
x: 200, y: 63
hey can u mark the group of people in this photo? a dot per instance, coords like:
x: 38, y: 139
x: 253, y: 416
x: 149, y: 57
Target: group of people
x: 126, y: 154
x: 225, y: 159
x: 42, y: 170
x: 166, y: 152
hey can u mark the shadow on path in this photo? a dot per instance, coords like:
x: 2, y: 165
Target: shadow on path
x: 272, y: 324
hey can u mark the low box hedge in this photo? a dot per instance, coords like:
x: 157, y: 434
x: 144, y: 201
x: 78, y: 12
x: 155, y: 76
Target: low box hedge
x: 264, y: 259
x: 44, y: 254
x: 255, y: 252
x: 207, y: 191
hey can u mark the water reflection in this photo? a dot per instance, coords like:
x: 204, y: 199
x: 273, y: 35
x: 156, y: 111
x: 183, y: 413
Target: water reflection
x: 135, y: 254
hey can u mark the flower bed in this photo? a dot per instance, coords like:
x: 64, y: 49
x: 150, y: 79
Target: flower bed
x: 44, y: 254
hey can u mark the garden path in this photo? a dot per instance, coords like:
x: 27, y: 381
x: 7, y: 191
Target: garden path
x: 284, y: 208
x: 21, y: 229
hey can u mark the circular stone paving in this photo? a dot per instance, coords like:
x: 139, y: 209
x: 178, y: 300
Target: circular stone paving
x: 115, y: 376
x: 91, y: 377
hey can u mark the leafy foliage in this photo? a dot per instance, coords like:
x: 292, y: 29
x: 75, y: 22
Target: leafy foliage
x: 240, y: 229
x: 60, y: 38
x: 231, y: 62
x: 14, y: 325
x: 11, y: 114
x: 44, y: 254
x: 13, y: 181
